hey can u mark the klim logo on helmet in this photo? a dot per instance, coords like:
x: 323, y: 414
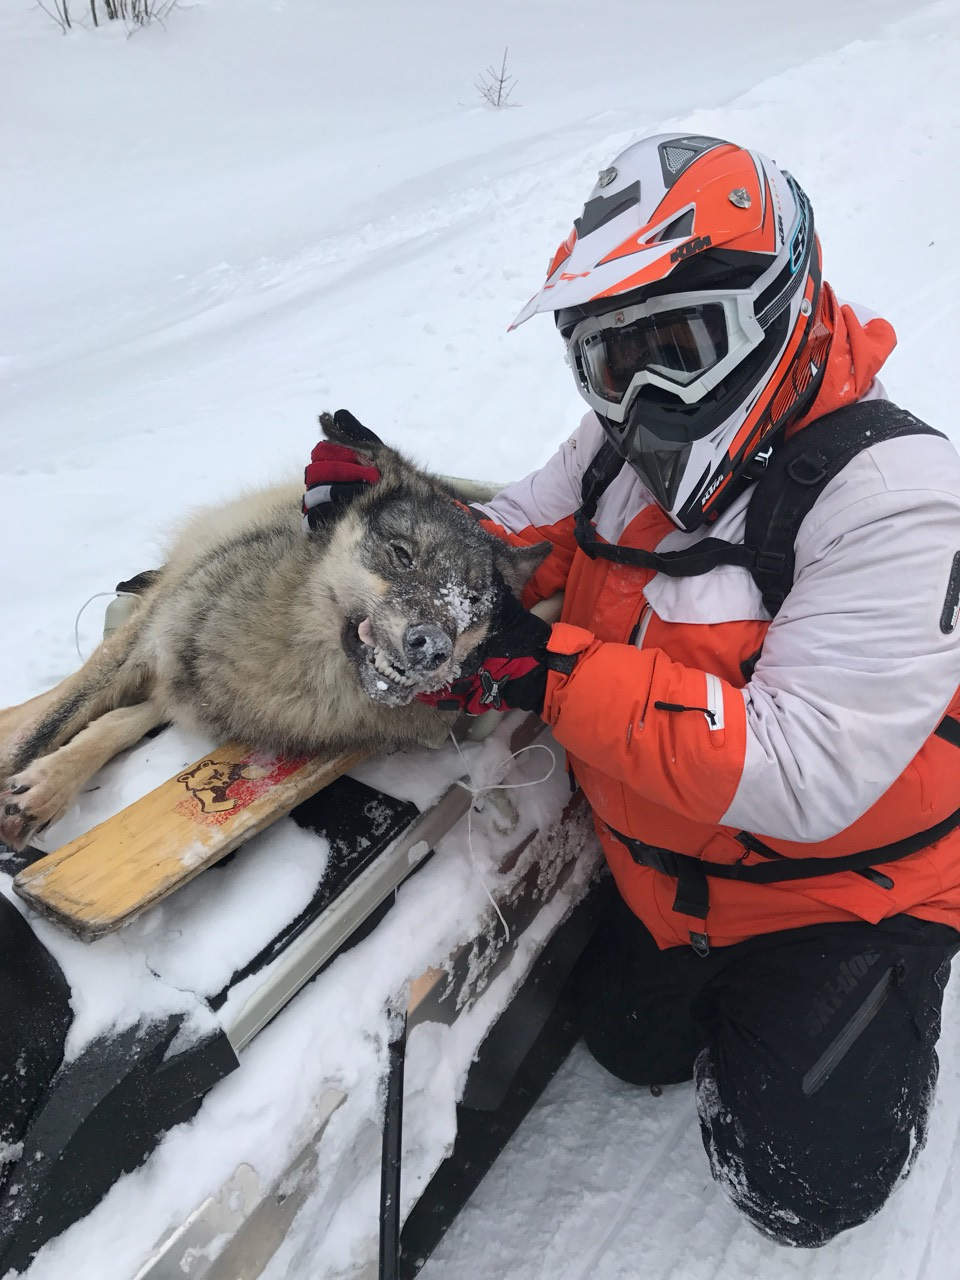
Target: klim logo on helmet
x: 798, y: 247
x: 696, y: 245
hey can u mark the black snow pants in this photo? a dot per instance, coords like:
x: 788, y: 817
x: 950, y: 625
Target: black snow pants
x: 812, y: 1049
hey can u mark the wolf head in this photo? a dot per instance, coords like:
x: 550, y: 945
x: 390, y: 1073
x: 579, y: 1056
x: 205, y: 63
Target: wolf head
x: 413, y: 579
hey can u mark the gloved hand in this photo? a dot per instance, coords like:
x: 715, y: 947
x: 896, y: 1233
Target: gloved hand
x: 513, y: 665
x: 335, y: 474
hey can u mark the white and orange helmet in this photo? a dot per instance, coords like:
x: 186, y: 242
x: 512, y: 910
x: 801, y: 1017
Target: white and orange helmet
x: 685, y: 293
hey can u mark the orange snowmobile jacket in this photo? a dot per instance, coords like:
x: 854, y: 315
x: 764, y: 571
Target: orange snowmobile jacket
x: 825, y: 747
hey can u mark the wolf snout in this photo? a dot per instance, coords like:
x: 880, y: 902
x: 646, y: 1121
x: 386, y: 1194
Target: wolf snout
x: 426, y: 646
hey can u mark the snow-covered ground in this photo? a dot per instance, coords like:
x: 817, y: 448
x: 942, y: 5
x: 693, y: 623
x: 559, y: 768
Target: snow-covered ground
x: 214, y: 230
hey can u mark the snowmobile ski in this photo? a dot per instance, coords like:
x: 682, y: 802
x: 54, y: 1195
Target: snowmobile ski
x: 106, y: 877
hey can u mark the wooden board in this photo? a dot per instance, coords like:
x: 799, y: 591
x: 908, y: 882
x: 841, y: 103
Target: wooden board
x: 103, y: 879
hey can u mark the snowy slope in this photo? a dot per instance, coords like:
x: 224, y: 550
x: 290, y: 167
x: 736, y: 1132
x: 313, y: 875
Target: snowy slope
x: 275, y: 206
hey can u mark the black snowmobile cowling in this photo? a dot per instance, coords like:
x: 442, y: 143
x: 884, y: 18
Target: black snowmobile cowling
x: 79, y: 1118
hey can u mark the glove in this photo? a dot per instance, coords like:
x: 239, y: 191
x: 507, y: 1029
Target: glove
x: 335, y: 476
x: 513, y: 667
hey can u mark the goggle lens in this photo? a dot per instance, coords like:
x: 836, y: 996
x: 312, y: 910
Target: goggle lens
x: 680, y: 345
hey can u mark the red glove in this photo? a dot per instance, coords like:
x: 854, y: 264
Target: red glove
x: 334, y: 477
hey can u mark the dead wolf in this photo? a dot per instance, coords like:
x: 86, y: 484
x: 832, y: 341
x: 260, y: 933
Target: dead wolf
x: 296, y: 642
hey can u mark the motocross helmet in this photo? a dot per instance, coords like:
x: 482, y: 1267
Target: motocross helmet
x: 686, y: 295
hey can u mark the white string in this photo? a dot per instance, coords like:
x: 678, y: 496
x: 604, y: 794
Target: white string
x: 479, y: 789
x: 76, y: 623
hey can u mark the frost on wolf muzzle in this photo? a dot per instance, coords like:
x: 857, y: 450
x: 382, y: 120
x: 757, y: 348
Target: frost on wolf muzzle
x: 397, y: 661
x: 422, y: 629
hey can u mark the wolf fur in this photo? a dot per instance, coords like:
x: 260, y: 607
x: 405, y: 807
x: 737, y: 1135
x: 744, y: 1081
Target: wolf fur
x: 296, y: 642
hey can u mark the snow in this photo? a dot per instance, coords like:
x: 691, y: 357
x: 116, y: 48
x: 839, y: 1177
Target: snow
x: 273, y: 207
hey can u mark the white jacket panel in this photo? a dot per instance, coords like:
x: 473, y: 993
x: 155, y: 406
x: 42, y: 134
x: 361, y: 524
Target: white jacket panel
x: 855, y: 671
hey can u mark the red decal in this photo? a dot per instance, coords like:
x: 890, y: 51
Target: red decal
x: 219, y: 789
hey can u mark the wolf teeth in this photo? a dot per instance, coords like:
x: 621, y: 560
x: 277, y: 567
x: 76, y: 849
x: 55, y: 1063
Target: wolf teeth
x: 386, y: 668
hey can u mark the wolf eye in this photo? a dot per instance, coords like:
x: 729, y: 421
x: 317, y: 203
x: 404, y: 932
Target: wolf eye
x: 402, y: 554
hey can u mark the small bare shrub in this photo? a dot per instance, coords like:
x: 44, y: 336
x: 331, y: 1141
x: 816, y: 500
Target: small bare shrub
x: 495, y: 86
x: 133, y: 13
x: 138, y: 12
x: 59, y: 11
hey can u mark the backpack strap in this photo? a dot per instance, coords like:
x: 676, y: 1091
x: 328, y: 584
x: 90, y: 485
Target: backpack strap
x: 798, y: 472
x: 692, y: 874
x: 689, y: 562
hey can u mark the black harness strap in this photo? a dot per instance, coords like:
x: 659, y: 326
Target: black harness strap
x: 690, y: 562
x: 693, y: 893
x: 784, y: 868
x: 603, y: 469
x: 781, y: 867
x: 795, y: 476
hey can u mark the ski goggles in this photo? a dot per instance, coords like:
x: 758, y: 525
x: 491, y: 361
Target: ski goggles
x: 687, y: 343
x: 682, y: 343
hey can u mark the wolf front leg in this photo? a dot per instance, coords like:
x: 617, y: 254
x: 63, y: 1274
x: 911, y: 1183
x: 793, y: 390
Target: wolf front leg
x: 16, y: 724
x: 35, y: 795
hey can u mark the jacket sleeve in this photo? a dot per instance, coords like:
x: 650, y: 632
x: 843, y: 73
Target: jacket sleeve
x: 541, y: 507
x: 670, y: 732
x: 856, y: 670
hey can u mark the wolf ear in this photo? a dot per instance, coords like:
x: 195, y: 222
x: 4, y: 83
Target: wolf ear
x: 343, y: 428
x: 518, y: 563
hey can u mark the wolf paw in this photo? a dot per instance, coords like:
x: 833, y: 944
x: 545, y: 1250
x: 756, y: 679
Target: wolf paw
x: 29, y: 801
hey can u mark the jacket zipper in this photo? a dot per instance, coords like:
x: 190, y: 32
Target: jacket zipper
x: 640, y: 630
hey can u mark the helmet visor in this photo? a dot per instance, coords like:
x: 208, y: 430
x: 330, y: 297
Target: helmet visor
x: 684, y: 344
